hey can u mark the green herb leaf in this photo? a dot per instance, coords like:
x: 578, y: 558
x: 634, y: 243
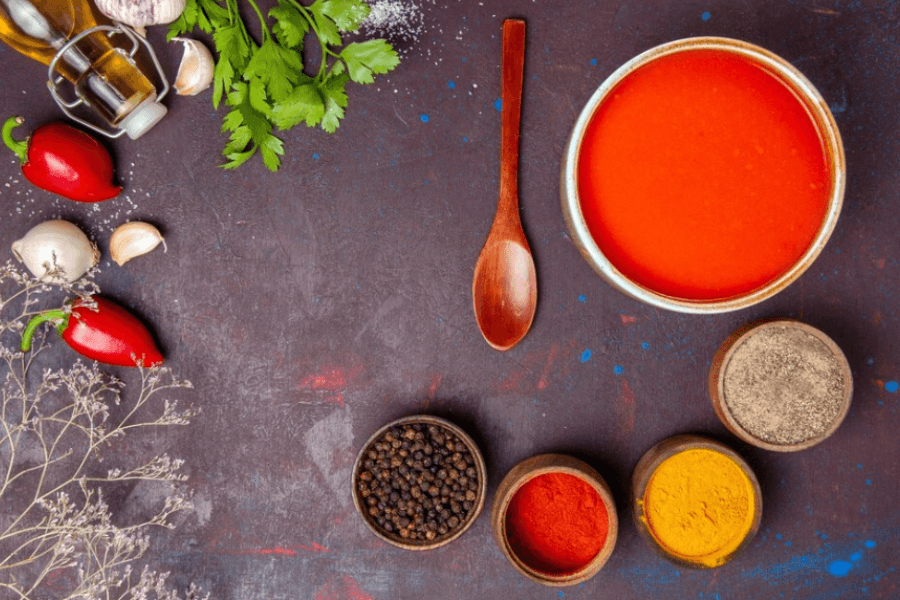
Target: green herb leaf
x: 365, y: 58
x: 348, y: 15
x: 290, y: 25
x: 326, y: 29
x: 335, y: 94
x: 216, y: 14
x: 185, y: 22
x: 305, y: 104
x: 264, y: 84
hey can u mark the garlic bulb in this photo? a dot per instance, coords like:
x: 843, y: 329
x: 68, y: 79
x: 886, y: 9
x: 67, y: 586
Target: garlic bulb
x: 195, y: 72
x: 56, y: 251
x: 141, y: 13
x: 133, y: 239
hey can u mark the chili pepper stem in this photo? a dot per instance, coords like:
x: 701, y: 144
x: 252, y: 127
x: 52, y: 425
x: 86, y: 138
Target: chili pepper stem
x: 19, y: 147
x: 37, y: 320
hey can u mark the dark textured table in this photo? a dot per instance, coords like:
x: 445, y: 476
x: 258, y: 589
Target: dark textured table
x: 311, y: 306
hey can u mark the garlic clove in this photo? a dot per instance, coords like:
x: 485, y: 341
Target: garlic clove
x: 56, y: 251
x: 133, y: 239
x: 195, y: 73
x: 141, y: 13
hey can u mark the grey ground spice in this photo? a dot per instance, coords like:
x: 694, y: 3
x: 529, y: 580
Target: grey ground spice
x: 783, y: 385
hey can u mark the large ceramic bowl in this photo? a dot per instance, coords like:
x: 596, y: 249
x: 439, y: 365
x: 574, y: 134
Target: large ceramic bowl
x: 819, y: 229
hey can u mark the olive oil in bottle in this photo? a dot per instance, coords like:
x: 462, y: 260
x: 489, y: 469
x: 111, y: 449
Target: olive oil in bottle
x: 76, y: 35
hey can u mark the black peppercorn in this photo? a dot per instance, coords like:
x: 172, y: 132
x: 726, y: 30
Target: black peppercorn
x: 418, y: 482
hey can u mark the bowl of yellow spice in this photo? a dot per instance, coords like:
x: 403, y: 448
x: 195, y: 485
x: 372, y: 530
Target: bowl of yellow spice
x: 695, y: 501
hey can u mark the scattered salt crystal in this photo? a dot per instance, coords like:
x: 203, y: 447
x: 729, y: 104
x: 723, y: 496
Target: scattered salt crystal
x: 397, y: 20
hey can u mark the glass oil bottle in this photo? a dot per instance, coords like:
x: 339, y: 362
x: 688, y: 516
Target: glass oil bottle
x: 77, y: 43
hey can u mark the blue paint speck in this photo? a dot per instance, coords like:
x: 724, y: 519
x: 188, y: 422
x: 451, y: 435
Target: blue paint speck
x: 424, y: 118
x: 561, y: 595
x: 868, y: 482
x: 618, y: 369
x: 498, y: 103
x: 645, y: 345
x: 856, y: 556
x: 891, y: 386
x: 451, y: 84
x: 582, y: 298
x: 465, y: 139
x: 824, y: 536
x: 870, y: 544
x: 464, y: 59
x: 586, y: 355
x: 859, y: 466
x: 315, y: 156
x: 706, y: 15
x: 593, y: 62
x: 778, y: 536
x: 840, y: 568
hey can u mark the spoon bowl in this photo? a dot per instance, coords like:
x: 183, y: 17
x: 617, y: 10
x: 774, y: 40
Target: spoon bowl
x: 504, y: 289
x: 505, y: 292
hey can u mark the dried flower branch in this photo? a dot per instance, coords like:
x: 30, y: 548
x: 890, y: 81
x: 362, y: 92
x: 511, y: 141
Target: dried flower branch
x: 58, y: 536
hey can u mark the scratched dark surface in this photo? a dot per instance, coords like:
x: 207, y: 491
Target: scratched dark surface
x: 311, y: 306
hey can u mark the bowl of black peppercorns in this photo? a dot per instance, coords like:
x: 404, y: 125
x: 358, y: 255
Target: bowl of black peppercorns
x: 419, y: 482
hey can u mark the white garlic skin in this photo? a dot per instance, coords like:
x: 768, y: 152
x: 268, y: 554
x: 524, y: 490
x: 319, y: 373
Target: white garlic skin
x: 195, y: 73
x: 56, y: 251
x: 141, y: 13
x: 133, y: 239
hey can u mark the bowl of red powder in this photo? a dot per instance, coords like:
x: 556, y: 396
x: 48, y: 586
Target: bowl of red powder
x: 554, y: 518
x: 703, y: 176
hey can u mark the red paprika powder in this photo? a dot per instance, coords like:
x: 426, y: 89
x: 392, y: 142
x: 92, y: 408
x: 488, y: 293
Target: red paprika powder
x: 557, y: 523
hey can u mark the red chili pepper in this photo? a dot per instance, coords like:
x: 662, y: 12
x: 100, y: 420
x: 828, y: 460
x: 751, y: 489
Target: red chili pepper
x: 106, y: 333
x: 64, y: 160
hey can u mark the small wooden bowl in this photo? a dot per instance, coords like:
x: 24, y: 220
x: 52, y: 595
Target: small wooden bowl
x: 473, y: 514
x: 800, y: 331
x: 646, y: 468
x: 521, y: 474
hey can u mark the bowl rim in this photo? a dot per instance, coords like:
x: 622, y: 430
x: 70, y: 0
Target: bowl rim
x: 480, y: 467
x: 719, y: 366
x: 542, y: 464
x: 650, y: 462
x: 819, y: 112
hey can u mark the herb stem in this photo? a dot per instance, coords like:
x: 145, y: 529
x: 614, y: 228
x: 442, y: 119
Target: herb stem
x: 264, y: 28
x: 315, y: 28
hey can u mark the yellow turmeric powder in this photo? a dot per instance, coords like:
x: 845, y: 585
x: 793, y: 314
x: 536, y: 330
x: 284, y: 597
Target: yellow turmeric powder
x: 699, y: 505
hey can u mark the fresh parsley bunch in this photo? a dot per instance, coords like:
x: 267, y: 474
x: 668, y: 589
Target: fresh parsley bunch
x: 264, y: 83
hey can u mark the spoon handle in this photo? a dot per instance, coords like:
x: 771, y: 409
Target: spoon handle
x: 513, y: 67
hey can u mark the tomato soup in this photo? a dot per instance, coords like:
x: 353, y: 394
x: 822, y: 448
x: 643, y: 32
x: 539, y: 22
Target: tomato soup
x: 702, y: 176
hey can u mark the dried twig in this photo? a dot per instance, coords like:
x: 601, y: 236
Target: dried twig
x: 58, y: 536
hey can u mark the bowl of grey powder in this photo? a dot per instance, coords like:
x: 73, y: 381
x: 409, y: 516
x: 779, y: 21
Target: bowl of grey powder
x: 780, y: 385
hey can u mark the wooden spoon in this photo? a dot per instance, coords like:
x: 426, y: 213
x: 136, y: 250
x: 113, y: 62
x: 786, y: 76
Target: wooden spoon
x: 504, y: 290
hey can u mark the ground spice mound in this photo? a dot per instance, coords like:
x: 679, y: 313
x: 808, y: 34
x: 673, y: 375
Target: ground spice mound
x: 700, y: 506
x: 418, y: 482
x: 557, y: 523
x: 783, y: 385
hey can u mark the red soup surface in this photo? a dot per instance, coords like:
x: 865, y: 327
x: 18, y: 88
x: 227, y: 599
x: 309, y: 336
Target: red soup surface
x: 702, y: 176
